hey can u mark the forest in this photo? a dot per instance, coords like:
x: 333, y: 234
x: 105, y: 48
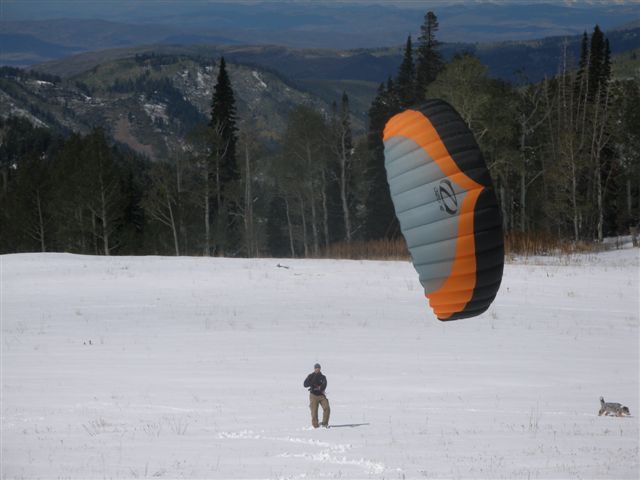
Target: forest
x: 563, y: 153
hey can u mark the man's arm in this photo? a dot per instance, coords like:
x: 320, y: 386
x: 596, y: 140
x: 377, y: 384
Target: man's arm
x: 307, y: 381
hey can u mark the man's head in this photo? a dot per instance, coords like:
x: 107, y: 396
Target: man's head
x: 317, y: 367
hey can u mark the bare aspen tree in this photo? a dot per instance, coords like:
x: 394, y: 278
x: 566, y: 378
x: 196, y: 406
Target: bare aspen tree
x: 531, y: 115
x: 249, y: 168
x: 161, y: 199
x: 303, y: 165
x: 103, y: 192
x: 342, y: 148
x: 207, y: 148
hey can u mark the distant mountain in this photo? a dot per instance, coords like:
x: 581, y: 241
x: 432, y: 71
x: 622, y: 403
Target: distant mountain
x: 510, y: 61
x: 536, y: 59
x: 25, y: 49
x: 301, y: 24
x: 30, y: 42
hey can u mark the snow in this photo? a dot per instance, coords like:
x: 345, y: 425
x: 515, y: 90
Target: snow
x: 131, y: 367
x: 11, y: 109
x: 156, y: 110
x: 203, y: 81
x: 256, y: 75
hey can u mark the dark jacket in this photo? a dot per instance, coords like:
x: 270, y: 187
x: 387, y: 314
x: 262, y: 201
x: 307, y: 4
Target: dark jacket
x: 316, y: 383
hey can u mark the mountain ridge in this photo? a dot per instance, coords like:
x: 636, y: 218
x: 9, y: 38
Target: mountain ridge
x: 318, y: 24
x: 506, y: 60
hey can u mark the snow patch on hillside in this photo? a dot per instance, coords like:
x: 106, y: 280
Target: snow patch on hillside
x: 261, y: 83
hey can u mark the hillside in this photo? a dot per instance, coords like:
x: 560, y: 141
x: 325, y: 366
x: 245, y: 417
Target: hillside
x: 179, y: 367
x: 118, y: 89
x: 150, y: 102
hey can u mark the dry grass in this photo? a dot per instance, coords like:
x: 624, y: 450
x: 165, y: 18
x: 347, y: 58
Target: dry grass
x: 536, y: 243
x: 515, y: 244
x: 372, y: 250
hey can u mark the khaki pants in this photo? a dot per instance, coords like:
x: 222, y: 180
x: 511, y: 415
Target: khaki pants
x: 314, y: 401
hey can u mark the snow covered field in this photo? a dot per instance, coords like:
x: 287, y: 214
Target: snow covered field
x: 155, y: 367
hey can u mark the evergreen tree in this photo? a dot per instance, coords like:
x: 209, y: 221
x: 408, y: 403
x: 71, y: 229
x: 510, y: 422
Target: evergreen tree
x: 223, y: 169
x: 223, y: 118
x: 583, y: 66
x: 406, y: 79
x: 430, y: 61
x: 380, y: 220
x: 596, y: 62
x: 606, y: 64
x: 376, y: 111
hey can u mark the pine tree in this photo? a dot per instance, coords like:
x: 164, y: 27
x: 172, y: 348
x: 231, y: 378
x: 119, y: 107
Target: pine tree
x: 583, y: 66
x: 596, y: 62
x: 380, y: 220
x: 606, y: 64
x: 430, y: 61
x: 223, y: 170
x: 406, y: 79
x: 223, y: 118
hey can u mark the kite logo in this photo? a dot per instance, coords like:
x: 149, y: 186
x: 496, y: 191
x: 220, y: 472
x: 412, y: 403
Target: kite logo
x: 447, y: 197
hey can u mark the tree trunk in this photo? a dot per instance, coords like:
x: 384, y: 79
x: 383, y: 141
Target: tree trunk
x: 173, y: 227
x: 599, y: 197
x: 325, y: 211
x: 523, y: 199
x: 503, y: 207
x: 181, y: 225
x: 207, y: 215
x: 218, y: 245
x: 81, y: 228
x: 343, y: 189
x: 574, y: 202
x: 312, y: 196
x: 218, y: 188
x: 304, y: 227
x: 629, y: 198
x: 105, y: 224
x: 248, y: 203
x: 290, y: 227
x: 95, y: 233
x: 314, y: 224
x: 40, y: 222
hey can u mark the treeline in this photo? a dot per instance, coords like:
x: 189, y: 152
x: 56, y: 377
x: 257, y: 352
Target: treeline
x: 12, y: 72
x: 75, y: 194
x: 564, y: 155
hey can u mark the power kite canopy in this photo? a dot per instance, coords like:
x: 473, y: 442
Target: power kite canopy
x: 447, y: 209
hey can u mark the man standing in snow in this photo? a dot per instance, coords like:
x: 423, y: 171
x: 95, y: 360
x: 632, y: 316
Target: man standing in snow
x: 316, y: 382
